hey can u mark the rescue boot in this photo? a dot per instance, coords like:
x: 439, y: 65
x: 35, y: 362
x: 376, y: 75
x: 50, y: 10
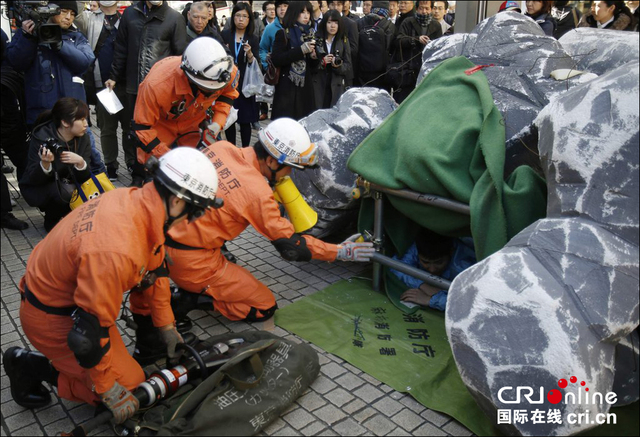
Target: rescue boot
x: 149, y: 345
x: 26, y: 371
x: 182, y: 302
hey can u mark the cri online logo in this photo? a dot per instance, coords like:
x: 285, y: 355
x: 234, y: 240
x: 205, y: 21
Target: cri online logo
x: 554, y: 396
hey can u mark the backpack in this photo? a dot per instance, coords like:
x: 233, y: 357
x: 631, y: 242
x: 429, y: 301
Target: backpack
x: 242, y: 397
x: 373, y: 48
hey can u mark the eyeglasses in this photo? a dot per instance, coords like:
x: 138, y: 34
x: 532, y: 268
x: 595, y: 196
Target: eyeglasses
x: 438, y: 8
x: 241, y: 17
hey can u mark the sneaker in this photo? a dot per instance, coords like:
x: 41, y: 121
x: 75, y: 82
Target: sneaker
x: 10, y: 222
x: 112, y: 172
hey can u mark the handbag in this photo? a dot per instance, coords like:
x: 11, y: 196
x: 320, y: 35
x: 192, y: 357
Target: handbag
x: 90, y: 189
x: 66, y: 188
x: 272, y: 76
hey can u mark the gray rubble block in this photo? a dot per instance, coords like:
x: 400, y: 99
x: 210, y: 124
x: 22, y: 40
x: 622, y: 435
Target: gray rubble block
x: 337, y: 132
x: 601, y: 50
x: 561, y: 299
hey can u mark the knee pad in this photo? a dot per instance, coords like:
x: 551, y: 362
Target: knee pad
x: 84, y: 339
x: 293, y: 248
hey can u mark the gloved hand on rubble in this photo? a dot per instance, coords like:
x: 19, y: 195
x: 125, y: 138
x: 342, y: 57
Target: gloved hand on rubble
x: 350, y: 250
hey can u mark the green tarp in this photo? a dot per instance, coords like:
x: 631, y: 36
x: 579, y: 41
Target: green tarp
x: 408, y: 352
x: 448, y: 139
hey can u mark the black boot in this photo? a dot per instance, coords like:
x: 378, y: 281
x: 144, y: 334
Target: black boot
x: 149, y: 345
x: 182, y: 302
x: 26, y: 371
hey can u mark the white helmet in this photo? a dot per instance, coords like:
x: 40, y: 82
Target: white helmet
x: 288, y: 142
x: 189, y: 175
x: 207, y: 64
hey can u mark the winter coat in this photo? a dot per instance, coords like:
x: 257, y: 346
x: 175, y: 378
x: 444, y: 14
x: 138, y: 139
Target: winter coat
x: 406, y: 45
x: 35, y: 183
x: 622, y: 22
x: 50, y: 74
x: 290, y: 100
x: 266, y: 42
x: 91, y: 24
x: 567, y: 19
x: 337, y: 75
x: 546, y: 22
x: 248, y: 109
x: 145, y: 37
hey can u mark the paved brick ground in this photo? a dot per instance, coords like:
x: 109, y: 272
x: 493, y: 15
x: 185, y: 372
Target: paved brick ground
x: 342, y: 401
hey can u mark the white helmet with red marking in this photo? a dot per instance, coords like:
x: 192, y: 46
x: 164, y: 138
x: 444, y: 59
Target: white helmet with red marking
x: 288, y: 142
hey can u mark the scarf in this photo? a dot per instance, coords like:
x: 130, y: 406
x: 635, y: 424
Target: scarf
x: 298, y: 68
x: 383, y: 12
x: 424, y: 20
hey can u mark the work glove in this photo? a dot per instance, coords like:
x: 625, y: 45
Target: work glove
x: 349, y: 250
x: 120, y: 402
x: 171, y: 338
x: 214, y: 129
x: 307, y: 47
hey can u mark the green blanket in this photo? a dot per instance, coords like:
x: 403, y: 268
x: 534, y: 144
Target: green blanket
x: 448, y: 139
x: 409, y: 353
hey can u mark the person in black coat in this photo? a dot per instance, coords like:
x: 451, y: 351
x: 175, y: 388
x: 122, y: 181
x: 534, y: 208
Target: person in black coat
x: 59, y: 149
x: 540, y: 12
x: 296, y: 56
x: 414, y: 34
x: 244, y: 46
x: 148, y: 32
x: 330, y: 78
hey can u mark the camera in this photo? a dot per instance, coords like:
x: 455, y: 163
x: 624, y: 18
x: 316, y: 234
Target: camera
x: 39, y: 12
x: 319, y: 42
x: 54, y: 147
x: 337, y: 60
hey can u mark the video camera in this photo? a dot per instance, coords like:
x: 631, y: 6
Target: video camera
x: 39, y: 12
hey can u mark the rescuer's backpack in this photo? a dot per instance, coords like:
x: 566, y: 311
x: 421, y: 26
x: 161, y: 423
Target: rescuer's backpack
x: 262, y: 378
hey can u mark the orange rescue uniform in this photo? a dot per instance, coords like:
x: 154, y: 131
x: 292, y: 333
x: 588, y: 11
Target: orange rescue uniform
x: 89, y: 260
x: 166, y: 108
x: 248, y: 200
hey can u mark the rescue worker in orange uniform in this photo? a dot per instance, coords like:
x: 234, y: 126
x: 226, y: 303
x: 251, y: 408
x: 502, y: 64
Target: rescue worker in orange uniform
x: 75, y: 279
x: 179, y: 93
x: 203, y: 275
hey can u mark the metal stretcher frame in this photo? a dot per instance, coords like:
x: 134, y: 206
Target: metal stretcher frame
x: 379, y: 259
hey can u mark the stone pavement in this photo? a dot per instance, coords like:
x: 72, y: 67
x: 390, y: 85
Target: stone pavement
x: 342, y: 401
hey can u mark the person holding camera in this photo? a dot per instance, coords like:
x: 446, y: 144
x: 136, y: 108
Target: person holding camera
x: 330, y: 79
x: 58, y: 155
x: 294, y: 51
x: 243, y: 43
x: 53, y: 64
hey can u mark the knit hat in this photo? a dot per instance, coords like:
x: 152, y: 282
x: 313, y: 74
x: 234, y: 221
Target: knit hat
x: 510, y: 6
x: 72, y: 6
x: 380, y: 8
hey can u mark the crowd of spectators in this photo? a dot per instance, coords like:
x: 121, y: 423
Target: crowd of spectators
x: 321, y: 48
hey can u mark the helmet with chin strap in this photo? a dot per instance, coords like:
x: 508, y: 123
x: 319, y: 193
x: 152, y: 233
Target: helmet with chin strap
x: 206, y: 64
x: 288, y: 142
x: 189, y: 175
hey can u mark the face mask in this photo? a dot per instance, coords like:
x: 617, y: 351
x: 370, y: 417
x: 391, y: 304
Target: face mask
x: 107, y: 4
x: 156, y: 3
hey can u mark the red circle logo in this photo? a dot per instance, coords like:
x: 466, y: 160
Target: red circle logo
x: 554, y: 396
